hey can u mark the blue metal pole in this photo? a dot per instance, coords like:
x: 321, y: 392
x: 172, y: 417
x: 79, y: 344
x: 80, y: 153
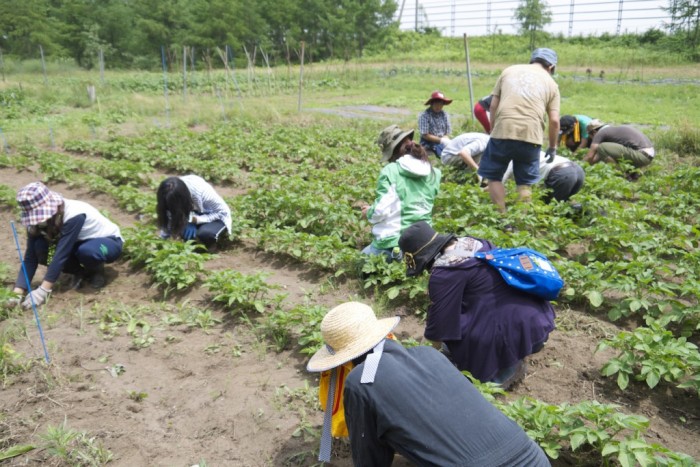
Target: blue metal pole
x: 29, y: 291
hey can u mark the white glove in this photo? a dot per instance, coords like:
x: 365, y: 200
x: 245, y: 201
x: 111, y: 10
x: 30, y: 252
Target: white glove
x: 444, y: 140
x: 40, y: 295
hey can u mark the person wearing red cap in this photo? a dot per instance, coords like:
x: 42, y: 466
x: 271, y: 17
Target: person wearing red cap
x: 434, y: 124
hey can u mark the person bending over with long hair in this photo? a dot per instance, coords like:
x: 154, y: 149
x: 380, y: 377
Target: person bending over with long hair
x: 189, y: 208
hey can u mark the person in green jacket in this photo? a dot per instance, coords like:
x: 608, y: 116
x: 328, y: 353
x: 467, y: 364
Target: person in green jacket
x: 406, y: 191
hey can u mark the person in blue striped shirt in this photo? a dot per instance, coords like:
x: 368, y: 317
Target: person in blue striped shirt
x: 189, y: 208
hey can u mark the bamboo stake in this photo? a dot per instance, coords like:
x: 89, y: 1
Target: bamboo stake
x: 301, y: 76
x: 165, y: 86
x: 43, y: 64
x: 184, y: 74
x: 469, y: 78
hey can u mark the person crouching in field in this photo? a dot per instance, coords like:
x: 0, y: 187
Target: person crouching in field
x: 411, y: 401
x: 488, y: 326
x: 406, y: 190
x: 84, y: 239
x: 562, y: 177
x: 613, y: 144
x: 189, y: 208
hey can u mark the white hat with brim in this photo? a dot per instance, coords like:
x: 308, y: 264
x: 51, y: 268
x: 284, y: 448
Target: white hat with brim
x: 349, y: 331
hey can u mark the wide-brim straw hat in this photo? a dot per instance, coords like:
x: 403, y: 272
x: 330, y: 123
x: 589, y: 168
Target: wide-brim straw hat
x: 389, y: 138
x: 420, y: 245
x: 438, y: 96
x: 349, y: 331
x: 37, y: 203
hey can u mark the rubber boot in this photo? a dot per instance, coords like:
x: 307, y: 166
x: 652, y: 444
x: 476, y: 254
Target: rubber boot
x: 96, y: 277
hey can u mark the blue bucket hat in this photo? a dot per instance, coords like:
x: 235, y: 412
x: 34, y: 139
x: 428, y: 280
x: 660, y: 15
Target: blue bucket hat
x: 545, y: 54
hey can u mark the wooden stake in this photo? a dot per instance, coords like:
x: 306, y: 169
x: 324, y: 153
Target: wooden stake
x: 469, y: 78
x: 301, y: 76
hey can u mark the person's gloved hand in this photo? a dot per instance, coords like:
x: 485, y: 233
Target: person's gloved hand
x: 190, y: 231
x: 550, y: 153
x: 444, y: 140
x: 40, y: 295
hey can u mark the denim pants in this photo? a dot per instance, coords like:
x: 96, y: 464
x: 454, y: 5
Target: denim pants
x: 434, y: 147
x: 391, y: 254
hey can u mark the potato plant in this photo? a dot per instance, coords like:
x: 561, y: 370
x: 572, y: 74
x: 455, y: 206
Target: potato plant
x: 240, y: 292
x: 177, y: 265
x: 652, y: 354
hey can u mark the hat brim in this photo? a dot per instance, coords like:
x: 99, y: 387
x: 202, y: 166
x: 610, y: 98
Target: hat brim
x: 388, y: 152
x: 445, y: 101
x: 324, y: 360
x: 43, y: 212
x: 428, y: 254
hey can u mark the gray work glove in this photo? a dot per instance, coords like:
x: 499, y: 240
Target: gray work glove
x: 40, y: 295
x: 549, y: 154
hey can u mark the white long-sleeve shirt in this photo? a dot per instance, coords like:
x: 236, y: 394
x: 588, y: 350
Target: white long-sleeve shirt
x: 207, y: 203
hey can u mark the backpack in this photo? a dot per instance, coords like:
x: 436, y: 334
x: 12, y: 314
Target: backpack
x: 525, y: 269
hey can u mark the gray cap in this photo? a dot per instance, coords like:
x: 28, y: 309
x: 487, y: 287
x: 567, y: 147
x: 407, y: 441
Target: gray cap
x: 545, y: 54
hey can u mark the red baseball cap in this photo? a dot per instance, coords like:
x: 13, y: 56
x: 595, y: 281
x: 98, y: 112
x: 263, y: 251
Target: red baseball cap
x: 438, y: 96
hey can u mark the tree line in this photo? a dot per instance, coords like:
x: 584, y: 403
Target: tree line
x: 131, y: 32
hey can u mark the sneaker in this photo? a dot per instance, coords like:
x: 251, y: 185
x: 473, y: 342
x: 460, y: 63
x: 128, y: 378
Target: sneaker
x: 633, y: 176
x: 96, y: 277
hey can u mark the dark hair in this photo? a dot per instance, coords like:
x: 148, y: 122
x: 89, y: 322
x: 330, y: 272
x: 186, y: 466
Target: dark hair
x: 174, y: 205
x: 415, y: 150
x: 567, y: 123
x: 544, y: 63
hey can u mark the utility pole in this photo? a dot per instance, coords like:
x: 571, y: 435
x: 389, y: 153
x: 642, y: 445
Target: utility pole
x: 488, y: 17
x: 619, y: 18
x: 571, y: 17
x: 416, y: 15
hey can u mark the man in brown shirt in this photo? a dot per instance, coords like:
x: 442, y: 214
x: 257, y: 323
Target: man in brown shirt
x: 523, y: 98
x: 616, y: 143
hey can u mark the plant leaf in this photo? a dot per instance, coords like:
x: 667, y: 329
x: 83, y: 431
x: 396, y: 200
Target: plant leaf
x: 15, y: 451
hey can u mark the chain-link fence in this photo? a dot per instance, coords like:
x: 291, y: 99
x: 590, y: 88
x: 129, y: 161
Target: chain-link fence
x: 569, y: 17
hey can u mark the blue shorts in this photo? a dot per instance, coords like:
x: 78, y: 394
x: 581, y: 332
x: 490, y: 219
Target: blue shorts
x: 500, y: 152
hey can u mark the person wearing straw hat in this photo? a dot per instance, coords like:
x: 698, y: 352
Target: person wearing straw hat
x: 488, y: 326
x: 411, y: 401
x: 84, y: 239
x: 405, y: 194
x: 434, y: 123
x: 523, y: 98
x: 613, y: 144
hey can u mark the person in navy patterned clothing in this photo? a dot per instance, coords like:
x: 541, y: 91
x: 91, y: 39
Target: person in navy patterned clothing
x: 84, y: 241
x: 189, y: 208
